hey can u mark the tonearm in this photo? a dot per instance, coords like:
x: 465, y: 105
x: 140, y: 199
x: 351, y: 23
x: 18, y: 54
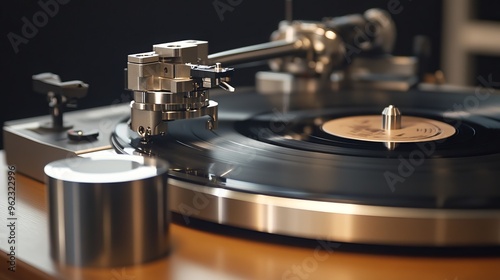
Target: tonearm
x: 173, y: 81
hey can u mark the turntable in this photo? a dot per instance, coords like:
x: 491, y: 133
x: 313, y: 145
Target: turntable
x: 341, y: 141
x: 323, y: 148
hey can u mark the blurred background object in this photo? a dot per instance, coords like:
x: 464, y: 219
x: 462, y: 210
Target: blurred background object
x: 471, y: 40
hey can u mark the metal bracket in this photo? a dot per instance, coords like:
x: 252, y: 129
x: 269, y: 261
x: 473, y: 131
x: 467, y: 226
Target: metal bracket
x: 60, y: 95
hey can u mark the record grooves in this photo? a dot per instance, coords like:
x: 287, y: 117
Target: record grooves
x: 302, y: 133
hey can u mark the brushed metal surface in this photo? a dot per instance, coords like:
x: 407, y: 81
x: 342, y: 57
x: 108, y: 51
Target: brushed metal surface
x: 340, y: 222
x: 108, y: 211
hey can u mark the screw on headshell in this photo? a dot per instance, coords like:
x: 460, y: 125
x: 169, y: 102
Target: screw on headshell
x: 144, y: 133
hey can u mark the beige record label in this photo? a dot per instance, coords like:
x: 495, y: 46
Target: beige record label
x: 369, y: 128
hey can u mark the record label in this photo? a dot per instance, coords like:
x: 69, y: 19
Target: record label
x: 369, y: 128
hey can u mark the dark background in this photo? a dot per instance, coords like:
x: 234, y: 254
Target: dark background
x: 89, y: 40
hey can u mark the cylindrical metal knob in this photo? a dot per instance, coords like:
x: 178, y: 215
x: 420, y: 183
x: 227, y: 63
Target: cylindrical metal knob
x: 391, y: 118
x: 108, y: 211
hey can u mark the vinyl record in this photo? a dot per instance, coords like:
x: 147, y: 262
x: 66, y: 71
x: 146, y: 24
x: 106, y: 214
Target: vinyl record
x: 274, y: 146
